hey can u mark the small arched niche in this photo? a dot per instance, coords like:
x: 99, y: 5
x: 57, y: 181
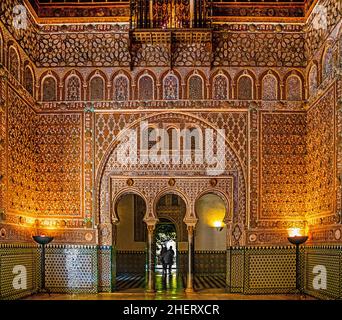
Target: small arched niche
x: 210, y: 228
x: 130, y: 210
x: 129, y: 241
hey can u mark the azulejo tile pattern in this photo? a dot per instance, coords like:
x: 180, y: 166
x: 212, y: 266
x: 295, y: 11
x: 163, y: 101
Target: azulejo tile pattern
x: 261, y: 270
x: 210, y: 262
x: 250, y: 270
x: 12, y: 255
x: 71, y: 268
x: 329, y: 257
x: 104, y: 264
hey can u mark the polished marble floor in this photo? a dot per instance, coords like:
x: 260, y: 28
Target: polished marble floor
x: 170, y: 282
x: 213, y: 295
x: 168, y: 287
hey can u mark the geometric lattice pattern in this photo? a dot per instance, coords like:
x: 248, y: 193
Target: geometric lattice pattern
x: 59, y: 160
x: 331, y: 258
x: 104, y: 268
x: 109, y: 125
x: 21, y: 174
x: 130, y: 262
x: 321, y: 154
x: 13, y: 255
x: 71, y: 269
x: 270, y: 273
x: 283, y: 165
x: 261, y: 270
x: 235, y: 270
x: 210, y: 262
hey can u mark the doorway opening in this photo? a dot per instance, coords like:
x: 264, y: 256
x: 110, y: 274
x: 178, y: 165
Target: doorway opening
x: 166, y: 237
x: 170, y: 233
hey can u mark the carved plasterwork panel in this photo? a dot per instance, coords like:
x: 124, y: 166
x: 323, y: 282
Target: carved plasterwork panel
x: 259, y: 48
x: 59, y: 165
x: 282, y: 167
x: 109, y: 125
x: 21, y: 162
x: 321, y: 22
x: 236, y: 157
x: 220, y: 87
x: 26, y: 37
x: 121, y: 88
x: 321, y: 156
x: 3, y: 146
x: 151, y: 190
x: 73, y: 89
x: 83, y: 48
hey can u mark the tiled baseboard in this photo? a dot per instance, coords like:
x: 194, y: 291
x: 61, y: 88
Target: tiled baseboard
x: 330, y: 257
x: 261, y: 270
x: 249, y: 270
x: 22, y: 255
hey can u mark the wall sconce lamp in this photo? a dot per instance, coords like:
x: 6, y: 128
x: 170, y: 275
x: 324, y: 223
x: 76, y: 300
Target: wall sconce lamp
x: 42, y: 240
x: 295, y: 237
x: 218, y: 225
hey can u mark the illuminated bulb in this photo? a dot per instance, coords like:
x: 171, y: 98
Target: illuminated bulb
x: 294, y: 232
x: 217, y: 224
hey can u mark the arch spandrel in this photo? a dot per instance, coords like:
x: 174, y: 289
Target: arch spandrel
x: 112, y: 177
x: 176, y: 117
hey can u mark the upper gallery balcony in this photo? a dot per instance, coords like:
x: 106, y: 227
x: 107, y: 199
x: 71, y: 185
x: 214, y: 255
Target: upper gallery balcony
x: 170, y: 22
x: 166, y: 21
x: 170, y: 14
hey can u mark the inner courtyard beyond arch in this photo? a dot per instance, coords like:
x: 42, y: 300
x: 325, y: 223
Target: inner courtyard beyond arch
x: 170, y: 149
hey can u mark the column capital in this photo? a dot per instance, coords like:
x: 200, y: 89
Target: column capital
x: 151, y: 222
x: 190, y: 222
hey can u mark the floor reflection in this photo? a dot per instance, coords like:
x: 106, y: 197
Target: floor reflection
x: 170, y: 283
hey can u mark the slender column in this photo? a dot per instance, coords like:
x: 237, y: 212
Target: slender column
x: 190, y: 280
x: 150, y: 271
x: 151, y: 13
x: 191, y: 13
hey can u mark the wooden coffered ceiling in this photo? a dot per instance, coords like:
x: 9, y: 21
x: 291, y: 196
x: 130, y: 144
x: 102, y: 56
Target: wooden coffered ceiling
x: 47, y: 11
